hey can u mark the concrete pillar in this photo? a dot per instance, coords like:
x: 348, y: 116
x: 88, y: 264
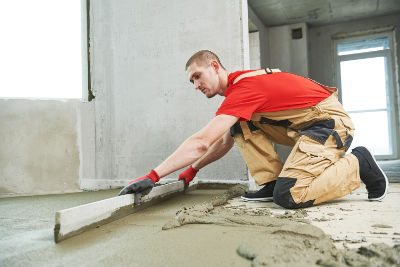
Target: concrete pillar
x: 263, y: 38
x: 255, y: 57
x: 287, y: 53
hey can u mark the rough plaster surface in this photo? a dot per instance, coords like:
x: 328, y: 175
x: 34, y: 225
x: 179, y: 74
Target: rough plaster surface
x: 39, y: 151
x: 145, y: 106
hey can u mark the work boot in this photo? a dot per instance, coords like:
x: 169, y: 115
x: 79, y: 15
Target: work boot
x: 371, y: 174
x: 262, y: 195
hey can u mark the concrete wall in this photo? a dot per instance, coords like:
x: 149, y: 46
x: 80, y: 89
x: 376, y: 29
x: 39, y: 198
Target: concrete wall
x: 290, y: 55
x: 255, y: 57
x: 145, y: 106
x: 321, y: 49
x: 40, y: 147
x: 263, y: 38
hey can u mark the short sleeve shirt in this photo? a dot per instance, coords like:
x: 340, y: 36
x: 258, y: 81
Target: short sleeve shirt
x: 269, y: 92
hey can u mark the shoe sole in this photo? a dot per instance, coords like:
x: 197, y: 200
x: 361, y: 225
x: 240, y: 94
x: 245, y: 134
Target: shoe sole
x: 386, y: 180
x: 260, y: 199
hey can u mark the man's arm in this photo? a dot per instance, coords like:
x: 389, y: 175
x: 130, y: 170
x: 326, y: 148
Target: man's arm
x: 198, y: 145
x: 191, y: 150
x: 216, y: 151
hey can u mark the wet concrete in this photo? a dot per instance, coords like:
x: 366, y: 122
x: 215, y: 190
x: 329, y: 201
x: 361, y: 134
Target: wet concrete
x: 234, y: 235
x: 26, y: 225
x: 351, y: 221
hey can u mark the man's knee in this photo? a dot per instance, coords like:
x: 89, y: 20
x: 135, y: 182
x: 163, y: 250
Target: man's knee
x: 283, y: 197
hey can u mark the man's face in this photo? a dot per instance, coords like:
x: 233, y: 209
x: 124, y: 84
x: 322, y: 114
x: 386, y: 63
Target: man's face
x: 204, y: 78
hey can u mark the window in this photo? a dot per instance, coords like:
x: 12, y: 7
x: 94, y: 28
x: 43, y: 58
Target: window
x: 365, y: 78
x: 41, y: 49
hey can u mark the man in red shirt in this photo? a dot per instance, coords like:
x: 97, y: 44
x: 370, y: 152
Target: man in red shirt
x: 264, y: 106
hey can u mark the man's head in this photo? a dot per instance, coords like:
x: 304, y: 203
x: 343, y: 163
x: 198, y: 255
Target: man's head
x: 206, y: 72
x: 203, y: 57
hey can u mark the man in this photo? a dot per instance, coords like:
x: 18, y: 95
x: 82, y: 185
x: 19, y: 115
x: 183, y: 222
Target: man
x: 263, y: 106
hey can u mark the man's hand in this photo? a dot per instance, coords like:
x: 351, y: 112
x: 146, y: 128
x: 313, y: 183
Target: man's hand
x: 188, y: 175
x: 141, y: 185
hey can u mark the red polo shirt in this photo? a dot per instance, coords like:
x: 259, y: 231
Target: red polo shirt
x: 268, y: 93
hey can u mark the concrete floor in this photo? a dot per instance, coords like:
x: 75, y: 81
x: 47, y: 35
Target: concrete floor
x: 26, y: 230
x: 351, y: 221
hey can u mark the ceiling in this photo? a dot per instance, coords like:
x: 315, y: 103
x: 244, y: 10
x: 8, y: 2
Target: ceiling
x: 319, y: 12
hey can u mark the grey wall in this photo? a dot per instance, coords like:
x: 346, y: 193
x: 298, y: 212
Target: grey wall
x: 40, y: 147
x: 263, y: 38
x: 145, y: 107
x: 254, y: 43
x: 321, y: 50
x: 290, y: 55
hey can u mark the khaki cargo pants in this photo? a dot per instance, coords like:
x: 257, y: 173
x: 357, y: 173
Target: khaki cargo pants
x: 317, y: 168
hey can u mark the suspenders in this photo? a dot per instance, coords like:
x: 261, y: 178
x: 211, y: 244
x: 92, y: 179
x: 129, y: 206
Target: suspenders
x: 270, y: 71
x: 256, y: 73
x: 245, y: 125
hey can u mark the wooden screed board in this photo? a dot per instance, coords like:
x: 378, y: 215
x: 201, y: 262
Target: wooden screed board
x: 76, y: 220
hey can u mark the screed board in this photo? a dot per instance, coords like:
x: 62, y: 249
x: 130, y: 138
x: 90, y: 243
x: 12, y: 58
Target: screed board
x: 76, y: 220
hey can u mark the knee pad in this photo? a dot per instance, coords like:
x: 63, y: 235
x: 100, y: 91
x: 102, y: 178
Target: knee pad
x: 283, y: 197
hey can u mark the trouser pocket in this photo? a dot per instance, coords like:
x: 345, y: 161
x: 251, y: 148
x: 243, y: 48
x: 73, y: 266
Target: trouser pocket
x: 309, y: 158
x: 319, y: 131
x: 341, y: 128
x: 348, y: 128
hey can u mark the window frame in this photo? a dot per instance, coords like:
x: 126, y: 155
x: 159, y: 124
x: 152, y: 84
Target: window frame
x: 389, y: 54
x: 85, y: 24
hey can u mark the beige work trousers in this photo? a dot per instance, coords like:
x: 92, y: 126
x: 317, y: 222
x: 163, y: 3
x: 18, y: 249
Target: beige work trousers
x: 317, y: 169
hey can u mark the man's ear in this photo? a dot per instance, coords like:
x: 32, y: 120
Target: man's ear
x: 214, y: 64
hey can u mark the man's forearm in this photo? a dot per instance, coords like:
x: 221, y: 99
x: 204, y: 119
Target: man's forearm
x: 197, y: 145
x: 187, y: 153
x: 216, y: 151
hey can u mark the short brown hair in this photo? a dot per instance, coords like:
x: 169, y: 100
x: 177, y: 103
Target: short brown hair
x: 203, y: 57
